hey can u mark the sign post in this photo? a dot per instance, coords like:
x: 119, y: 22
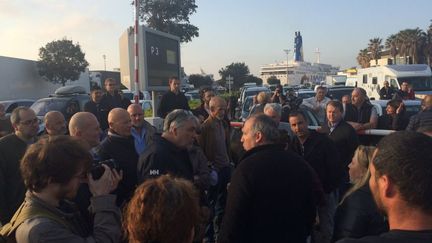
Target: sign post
x: 229, y: 81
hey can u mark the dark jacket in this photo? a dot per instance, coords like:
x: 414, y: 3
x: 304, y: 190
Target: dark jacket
x: 346, y: 140
x: 358, y: 216
x: 386, y: 94
x: 323, y: 156
x: 122, y: 150
x: 422, y: 119
x: 171, y: 101
x: 201, y: 111
x: 398, y: 123
x: 163, y: 157
x: 12, y: 189
x: 395, y: 236
x: 100, y: 110
x: 270, y: 198
x: 362, y: 115
x: 112, y: 101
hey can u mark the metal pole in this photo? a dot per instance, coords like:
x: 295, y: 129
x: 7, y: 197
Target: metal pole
x: 104, y: 57
x: 137, y: 91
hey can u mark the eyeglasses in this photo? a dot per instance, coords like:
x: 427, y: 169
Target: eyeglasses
x: 30, y: 122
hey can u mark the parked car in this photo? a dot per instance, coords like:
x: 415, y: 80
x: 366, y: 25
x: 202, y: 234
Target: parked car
x: 412, y: 107
x: 251, y: 91
x: 193, y: 95
x: 10, y: 105
x: 246, y: 107
x: 337, y: 92
x: 68, y: 100
x: 144, y: 95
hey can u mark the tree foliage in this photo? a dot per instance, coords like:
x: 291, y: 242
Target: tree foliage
x: 239, y: 71
x: 363, y: 58
x: 273, y: 80
x: 60, y: 61
x: 170, y: 16
x: 199, y: 80
x: 374, y: 49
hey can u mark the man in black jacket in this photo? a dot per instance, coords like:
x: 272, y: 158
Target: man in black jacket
x: 322, y: 155
x: 100, y: 110
x: 400, y: 183
x: 360, y: 114
x: 120, y: 146
x: 270, y: 198
x: 173, y: 99
x: 345, y: 138
x: 12, y: 148
x: 169, y: 154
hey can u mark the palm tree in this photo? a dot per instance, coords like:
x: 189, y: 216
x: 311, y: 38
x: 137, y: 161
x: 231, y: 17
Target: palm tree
x: 428, y: 45
x: 391, y: 45
x: 410, y: 42
x: 363, y: 58
x: 375, y: 48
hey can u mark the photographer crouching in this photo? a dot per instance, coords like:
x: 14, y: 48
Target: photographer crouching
x: 53, y: 169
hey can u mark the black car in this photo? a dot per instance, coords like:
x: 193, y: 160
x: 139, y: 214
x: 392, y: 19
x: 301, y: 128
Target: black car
x: 10, y: 105
x: 68, y: 100
x: 337, y: 92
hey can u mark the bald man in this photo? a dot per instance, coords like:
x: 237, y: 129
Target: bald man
x: 360, y: 114
x: 120, y: 146
x: 55, y: 123
x: 424, y: 117
x: 215, y: 142
x: 142, y: 131
x: 85, y: 126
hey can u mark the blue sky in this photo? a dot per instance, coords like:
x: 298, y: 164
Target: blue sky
x: 250, y: 31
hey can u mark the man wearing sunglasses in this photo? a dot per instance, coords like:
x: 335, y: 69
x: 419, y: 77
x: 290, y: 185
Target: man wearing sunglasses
x: 12, y: 148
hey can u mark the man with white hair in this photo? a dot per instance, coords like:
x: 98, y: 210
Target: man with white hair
x: 274, y: 111
x: 318, y: 103
x: 169, y: 154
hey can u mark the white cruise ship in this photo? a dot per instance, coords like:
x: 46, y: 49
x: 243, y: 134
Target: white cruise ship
x: 297, y: 71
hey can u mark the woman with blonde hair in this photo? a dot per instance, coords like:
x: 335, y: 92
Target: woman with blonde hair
x: 357, y: 214
x: 162, y: 210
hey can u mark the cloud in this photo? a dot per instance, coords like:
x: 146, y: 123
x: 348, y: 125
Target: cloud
x: 9, y: 9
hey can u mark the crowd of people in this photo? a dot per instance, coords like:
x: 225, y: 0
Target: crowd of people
x: 109, y: 176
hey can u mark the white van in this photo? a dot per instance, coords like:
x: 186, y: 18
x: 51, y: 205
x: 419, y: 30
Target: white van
x: 418, y: 76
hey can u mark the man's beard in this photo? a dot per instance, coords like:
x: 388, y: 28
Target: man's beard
x: 378, y: 202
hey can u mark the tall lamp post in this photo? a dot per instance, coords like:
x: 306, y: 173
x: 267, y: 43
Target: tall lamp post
x: 104, y: 57
x: 287, y: 51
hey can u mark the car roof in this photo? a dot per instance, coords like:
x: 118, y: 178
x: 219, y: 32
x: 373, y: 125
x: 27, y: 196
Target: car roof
x: 254, y: 88
x: 383, y: 103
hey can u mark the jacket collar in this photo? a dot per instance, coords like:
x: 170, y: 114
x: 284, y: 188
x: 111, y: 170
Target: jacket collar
x: 260, y: 148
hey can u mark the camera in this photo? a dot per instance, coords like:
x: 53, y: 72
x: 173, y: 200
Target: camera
x: 97, y: 169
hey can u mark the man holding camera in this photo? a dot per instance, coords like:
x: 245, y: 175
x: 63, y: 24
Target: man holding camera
x: 278, y: 96
x: 53, y: 170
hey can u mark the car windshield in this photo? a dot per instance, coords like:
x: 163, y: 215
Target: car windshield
x: 336, y: 94
x: 417, y: 83
x: 41, y: 107
x: 248, y: 104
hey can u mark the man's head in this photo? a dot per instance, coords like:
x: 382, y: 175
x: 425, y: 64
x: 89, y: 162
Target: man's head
x: 85, y: 126
x: 334, y: 111
x: 274, y: 111
x: 2, y: 110
x: 386, y: 84
x: 259, y: 130
x: 136, y: 114
x: 358, y: 96
x: 96, y: 94
x: 174, y: 84
x: 25, y: 122
x: 110, y: 85
x: 119, y: 121
x: 180, y: 128
x: 401, y: 173
x: 320, y: 93
x: 60, y: 163
x: 299, y: 124
x: 263, y: 97
x: 426, y: 102
x: 346, y: 99
x: 55, y: 123
x: 217, y: 107
x: 404, y: 86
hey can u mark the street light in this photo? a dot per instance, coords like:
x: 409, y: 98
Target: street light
x: 287, y: 51
x: 104, y: 57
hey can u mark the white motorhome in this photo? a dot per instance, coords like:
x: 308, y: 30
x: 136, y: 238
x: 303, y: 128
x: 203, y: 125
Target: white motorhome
x: 418, y: 76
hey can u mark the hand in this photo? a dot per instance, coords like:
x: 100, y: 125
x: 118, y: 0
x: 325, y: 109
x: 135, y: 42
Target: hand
x: 107, y: 183
x: 400, y: 108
